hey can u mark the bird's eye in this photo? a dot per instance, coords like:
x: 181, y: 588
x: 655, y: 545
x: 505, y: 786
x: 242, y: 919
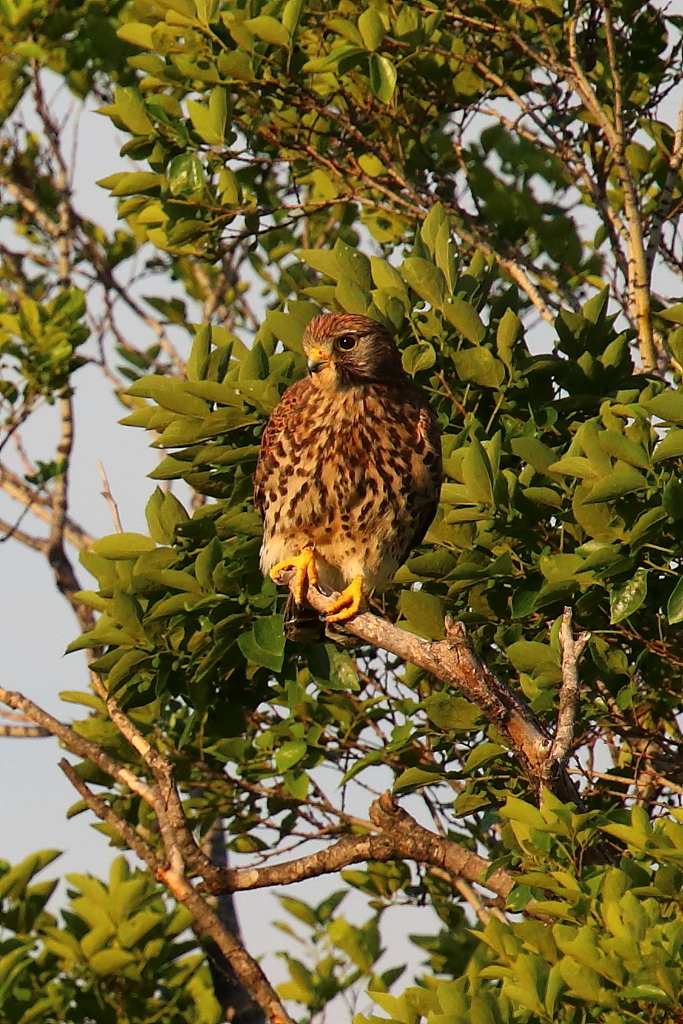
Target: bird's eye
x: 346, y: 342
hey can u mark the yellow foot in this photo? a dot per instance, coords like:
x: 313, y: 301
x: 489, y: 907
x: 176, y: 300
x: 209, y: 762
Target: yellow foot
x: 348, y: 603
x: 305, y: 569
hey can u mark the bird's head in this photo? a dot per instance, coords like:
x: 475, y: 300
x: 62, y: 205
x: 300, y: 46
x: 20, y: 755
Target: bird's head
x: 346, y: 350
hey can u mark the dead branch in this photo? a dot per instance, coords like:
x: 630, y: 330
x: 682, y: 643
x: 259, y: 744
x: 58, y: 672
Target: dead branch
x: 569, y: 692
x: 23, y: 732
x: 40, y: 505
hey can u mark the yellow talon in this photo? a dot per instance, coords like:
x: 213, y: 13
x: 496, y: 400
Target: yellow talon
x: 305, y: 569
x: 348, y: 603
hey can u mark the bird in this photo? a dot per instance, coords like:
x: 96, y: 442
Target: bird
x: 349, y: 471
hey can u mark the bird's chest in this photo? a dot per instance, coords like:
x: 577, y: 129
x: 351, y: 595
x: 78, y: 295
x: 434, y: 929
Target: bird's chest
x: 342, y: 466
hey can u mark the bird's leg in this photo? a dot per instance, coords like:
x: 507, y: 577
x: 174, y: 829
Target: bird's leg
x: 305, y: 572
x: 348, y: 603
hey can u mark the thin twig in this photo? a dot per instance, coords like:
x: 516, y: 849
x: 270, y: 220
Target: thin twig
x: 109, y: 498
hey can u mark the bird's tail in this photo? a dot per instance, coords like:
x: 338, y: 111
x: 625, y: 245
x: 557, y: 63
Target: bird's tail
x: 303, y: 623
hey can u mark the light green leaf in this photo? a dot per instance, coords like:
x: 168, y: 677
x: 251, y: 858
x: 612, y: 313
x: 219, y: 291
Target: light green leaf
x: 668, y: 406
x: 451, y: 713
x: 209, y: 122
x: 482, y: 753
x: 137, y: 33
x: 269, y: 29
x: 123, y: 545
x: 622, y: 480
x: 371, y: 28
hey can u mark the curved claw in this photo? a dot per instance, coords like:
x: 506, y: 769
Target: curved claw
x: 305, y: 572
x: 348, y: 603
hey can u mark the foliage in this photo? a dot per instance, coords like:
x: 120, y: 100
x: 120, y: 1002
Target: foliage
x: 458, y: 172
x: 116, y: 955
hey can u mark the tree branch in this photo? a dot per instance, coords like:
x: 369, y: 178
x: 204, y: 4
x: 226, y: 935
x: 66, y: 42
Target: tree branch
x: 569, y: 692
x: 399, y: 837
x: 454, y: 661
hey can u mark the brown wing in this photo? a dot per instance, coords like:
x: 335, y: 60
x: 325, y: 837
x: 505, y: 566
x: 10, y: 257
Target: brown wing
x: 428, y: 436
x: 279, y: 425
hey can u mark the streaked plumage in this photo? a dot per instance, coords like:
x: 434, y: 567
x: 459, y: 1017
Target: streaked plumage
x: 349, y: 470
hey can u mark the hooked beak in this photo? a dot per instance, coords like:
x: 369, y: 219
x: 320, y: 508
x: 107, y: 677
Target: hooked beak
x: 317, y: 360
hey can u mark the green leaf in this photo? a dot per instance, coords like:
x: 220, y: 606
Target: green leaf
x: 451, y: 713
x: 269, y: 29
x: 622, y: 480
x: 138, y: 34
x: 464, y: 317
x: 351, y: 297
x: 13, y: 883
x: 425, y: 279
x: 479, y: 366
x: 532, y: 656
x: 291, y: 15
x: 175, y: 579
x: 382, y: 77
x: 418, y: 357
x: 509, y: 329
x: 673, y: 313
x: 186, y: 178
x: 111, y: 961
x: 574, y: 465
x: 136, y: 182
x: 424, y: 613
x: 476, y: 473
x: 123, y: 545
x: 209, y: 122
x: 670, y: 447
x: 264, y: 643
x: 533, y: 451
x: 198, y: 361
x: 482, y: 753
x: 414, y: 778
x: 621, y: 447
x: 130, y: 110
x: 628, y: 598
x: 674, y: 608
x: 170, y: 394
x: 354, y: 264
x: 289, y: 754
x: 668, y: 406
x: 371, y: 28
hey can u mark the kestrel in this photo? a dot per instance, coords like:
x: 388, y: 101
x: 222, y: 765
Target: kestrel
x: 349, y: 471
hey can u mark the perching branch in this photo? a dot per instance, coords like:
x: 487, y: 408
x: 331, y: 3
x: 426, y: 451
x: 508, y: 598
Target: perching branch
x: 454, y: 661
